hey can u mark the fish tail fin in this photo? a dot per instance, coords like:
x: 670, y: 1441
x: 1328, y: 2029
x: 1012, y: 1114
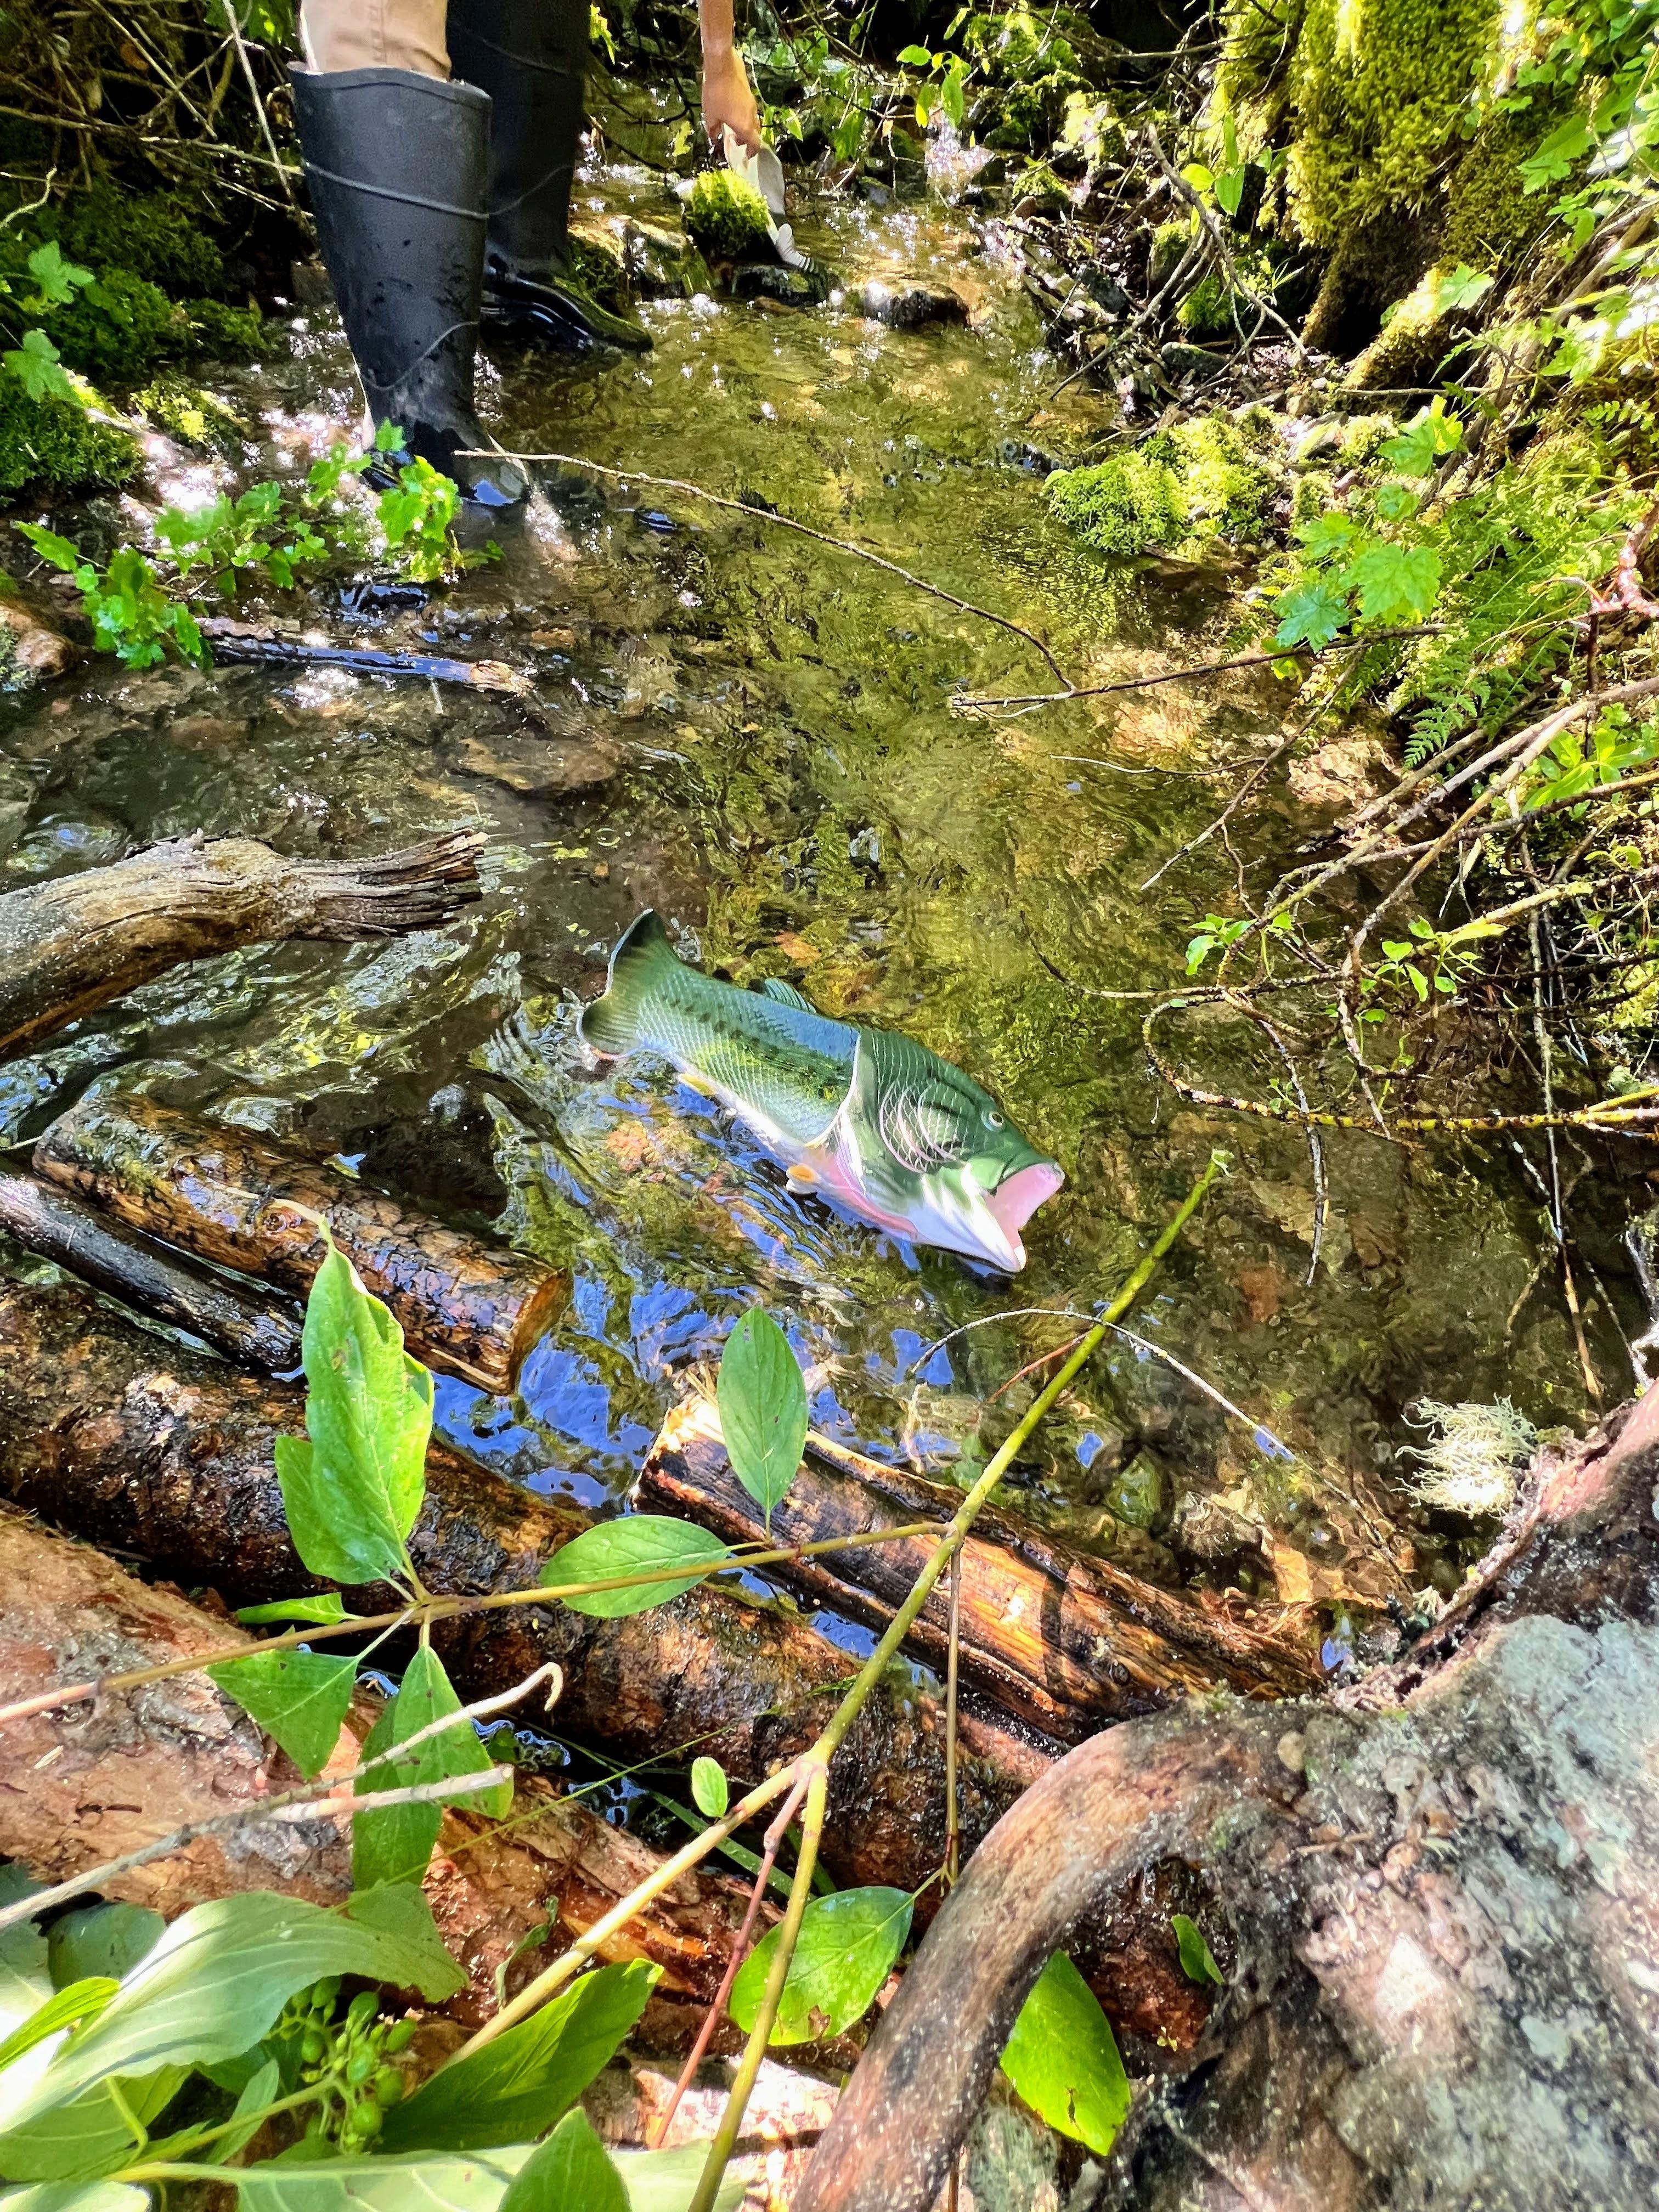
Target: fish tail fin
x: 610, y: 1026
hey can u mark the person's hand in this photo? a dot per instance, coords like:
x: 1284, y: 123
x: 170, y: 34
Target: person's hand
x: 728, y: 97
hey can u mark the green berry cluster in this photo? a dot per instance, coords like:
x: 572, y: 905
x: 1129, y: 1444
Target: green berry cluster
x: 349, y: 2060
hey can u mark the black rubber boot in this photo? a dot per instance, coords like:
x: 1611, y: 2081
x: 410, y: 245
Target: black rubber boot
x: 530, y: 57
x: 395, y: 165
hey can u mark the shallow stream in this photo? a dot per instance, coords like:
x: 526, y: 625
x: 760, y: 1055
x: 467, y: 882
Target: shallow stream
x: 752, y: 731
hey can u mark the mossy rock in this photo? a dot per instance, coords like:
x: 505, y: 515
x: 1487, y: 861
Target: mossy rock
x: 1171, y: 243
x: 596, y: 264
x: 55, y: 444
x: 726, y: 218
x: 217, y: 332
x: 164, y: 236
x: 1211, y: 478
x: 117, y: 326
x: 194, y: 417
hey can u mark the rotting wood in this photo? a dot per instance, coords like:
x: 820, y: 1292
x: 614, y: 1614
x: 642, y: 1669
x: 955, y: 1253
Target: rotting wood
x: 237, y: 1318
x: 1440, y: 1886
x: 74, y: 943
x: 81, y: 1786
x: 1063, y: 1641
x: 464, y: 1306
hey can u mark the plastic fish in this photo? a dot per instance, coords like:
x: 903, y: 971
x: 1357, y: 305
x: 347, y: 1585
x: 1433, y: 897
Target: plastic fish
x: 871, y: 1118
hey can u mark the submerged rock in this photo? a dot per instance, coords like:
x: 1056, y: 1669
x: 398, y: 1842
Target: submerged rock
x: 906, y: 306
x: 31, y: 651
x: 540, y: 765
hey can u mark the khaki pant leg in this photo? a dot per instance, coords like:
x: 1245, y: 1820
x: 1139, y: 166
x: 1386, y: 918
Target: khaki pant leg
x: 348, y: 34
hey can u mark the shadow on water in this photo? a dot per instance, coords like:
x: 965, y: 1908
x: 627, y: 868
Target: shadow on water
x: 752, y: 734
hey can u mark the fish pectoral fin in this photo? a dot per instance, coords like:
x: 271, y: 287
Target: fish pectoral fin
x: 787, y: 995
x: 804, y: 1178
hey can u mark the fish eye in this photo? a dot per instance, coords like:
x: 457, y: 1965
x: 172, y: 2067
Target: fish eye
x: 993, y: 1119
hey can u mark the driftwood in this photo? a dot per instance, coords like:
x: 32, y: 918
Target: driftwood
x: 74, y: 943
x: 83, y: 1785
x: 1442, y: 1889
x: 237, y: 1318
x: 465, y: 1307
x: 1064, y: 1641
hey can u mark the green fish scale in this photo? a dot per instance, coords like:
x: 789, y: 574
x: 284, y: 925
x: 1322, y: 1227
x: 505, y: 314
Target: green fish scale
x: 792, y: 1068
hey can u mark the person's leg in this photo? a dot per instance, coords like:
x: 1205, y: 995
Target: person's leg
x: 349, y: 34
x: 397, y: 158
x: 530, y: 57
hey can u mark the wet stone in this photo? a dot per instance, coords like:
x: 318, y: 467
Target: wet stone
x: 902, y: 306
x: 537, y: 764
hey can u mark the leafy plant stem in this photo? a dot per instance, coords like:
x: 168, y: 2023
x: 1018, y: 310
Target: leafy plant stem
x: 815, y: 1762
x: 444, y: 1608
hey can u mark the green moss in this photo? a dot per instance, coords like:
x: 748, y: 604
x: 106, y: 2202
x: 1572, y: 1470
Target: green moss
x: 222, y: 333
x: 1381, y: 90
x: 1488, y: 216
x: 1313, y: 493
x: 193, y: 417
x: 117, y: 326
x: 1208, y: 310
x: 164, y: 236
x: 1170, y: 243
x: 1205, y: 479
x: 726, y: 218
x: 56, y: 444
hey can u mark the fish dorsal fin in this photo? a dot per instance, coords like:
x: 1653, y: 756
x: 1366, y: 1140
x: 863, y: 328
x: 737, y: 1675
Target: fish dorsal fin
x: 643, y: 954
x: 786, y: 994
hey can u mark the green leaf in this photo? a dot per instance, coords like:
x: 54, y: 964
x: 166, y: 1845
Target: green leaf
x: 1566, y: 144
x: 58, y: 279
x: 1427, y: 438
x: 215, y: 1981
x: 88, y: 2136
x: 262, y: 2088
x: 1396, y: 583
x: 57, y: 550
x: 38, y: 366
x: 1461, y: 287
x: 301, y: 1697
x: 326, y: 1609
x: 77, y: 2197
x: 1311, y: 614
x: 1327, y: 537
x: 639, y: 1540
x: 709, y: 1791
x: 102, y: 1941
x: 516, y: 2087
x: 848, y: 1945
x: 1063, y: 2058
x: 572, y: 2171
x: 762, y: 1408
x: 915, y: 57
x: 395, y: 1845
x: 64, y: 2009
x: 656, y: 2181
x: 352, y: 1493
x: 1196, y: 1962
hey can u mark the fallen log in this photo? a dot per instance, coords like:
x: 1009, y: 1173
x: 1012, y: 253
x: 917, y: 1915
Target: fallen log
x: 74, y: 943
x: 236, y: 1318
x: 86, y: 1784
x: 464, y: 1307
x: 167, y: 1456
x: 1441, y: 1895
x: 1063, y: 1641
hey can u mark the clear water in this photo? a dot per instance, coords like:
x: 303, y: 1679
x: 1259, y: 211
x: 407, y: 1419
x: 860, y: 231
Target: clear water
x: 752, y: 732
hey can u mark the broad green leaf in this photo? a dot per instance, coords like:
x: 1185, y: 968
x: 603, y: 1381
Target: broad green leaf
x: 52, y: 549
x: 101, y: 1940
x: 915, y: 57
x: 76, y: 2197
x: 301, y: 1697
x: 1327, y: 536
x: 572, y: 2171
x: 1396, y: 583
x: 515, y: 2087
x: 709, y: 1791
x: 1430, y: 435
x: 352, y: 1493
x: 639, y: 1541
x: 64, y: 2009
x: 89, y: 2137
x: 262, y: 2088
x: 1063, y: 2058
x: 220, y: 1974
x: 1312, y: 613
x: 395, y: 1845
x: 657, y: 2181
x: 58, y: 279
x: 1461, y: 287
x: 848, y: 1943
x: 326, y: 1609
x: 1196, y: 1962
x: 763, y: 1407
x: 38, y: 368
x: 1568, y: 143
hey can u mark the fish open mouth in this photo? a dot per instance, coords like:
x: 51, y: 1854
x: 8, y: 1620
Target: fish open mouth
x: 1017, y: 1197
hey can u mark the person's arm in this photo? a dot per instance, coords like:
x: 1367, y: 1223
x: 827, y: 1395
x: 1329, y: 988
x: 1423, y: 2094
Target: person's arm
x: 728, y: 96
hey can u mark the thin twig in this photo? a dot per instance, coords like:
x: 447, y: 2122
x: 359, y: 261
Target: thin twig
x: 970, y: 702
x: 786, y: 522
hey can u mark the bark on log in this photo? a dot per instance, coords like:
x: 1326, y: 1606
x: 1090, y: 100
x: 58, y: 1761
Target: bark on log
x: 1443, y: 1906
x: 237, y: 1319
x: 164, y: 1454
x: 464, y: 1307
x: 1064, y: 1642
x: 71, y: 944
x: 83, y: 1785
